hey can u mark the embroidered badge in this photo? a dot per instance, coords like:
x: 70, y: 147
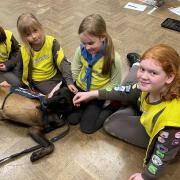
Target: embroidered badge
x: 156, y: 160
x: 108, y: 89
x: 152, y: 169
x: 177, y: 135
x: 116, y: 88
x: 175, y: 142
x: 134, y: 86
x: 120, y: 88
x: 164, y: 134
x: 128, y: 88
x: 161, y: 140
x: 160, y: 154
x: 162, y: 148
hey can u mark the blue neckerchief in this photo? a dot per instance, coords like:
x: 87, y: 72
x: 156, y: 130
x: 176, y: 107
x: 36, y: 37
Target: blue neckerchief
x: 91, y: 61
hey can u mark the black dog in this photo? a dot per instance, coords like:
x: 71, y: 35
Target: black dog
x: 61, y: 102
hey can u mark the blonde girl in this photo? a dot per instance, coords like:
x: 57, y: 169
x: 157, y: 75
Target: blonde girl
x: 41, y: 59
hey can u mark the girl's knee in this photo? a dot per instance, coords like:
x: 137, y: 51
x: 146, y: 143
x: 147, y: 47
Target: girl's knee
x: 106, y: 125
x: 88, y: 128
x: 110, y: 127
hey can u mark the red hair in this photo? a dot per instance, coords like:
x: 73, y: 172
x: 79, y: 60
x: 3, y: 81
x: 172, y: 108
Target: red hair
x: 169, y: 59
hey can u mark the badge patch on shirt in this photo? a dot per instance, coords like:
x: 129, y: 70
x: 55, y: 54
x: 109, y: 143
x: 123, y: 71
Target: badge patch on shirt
x: 160, y: 154
x: 175, y: 142
x: 152, y: 169
x: 128, y: 88
x: 161, y: 140
x: 162, y: 148
x: 134, y: 86
x: 120, y: 88
x: 164, y: 134
x: 177, y: 135
x: 156, y: 160
x: 108, y: 89
x: 4, y: 55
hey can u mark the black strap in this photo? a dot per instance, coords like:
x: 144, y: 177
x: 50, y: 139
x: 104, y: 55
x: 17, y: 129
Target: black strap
x: 30, y: 73
x: 2, y: 107
x: 33, y: 148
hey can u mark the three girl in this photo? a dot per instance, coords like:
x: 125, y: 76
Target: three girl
x: 9, y: 48
x: 158, y: 127
x: 95, y: 66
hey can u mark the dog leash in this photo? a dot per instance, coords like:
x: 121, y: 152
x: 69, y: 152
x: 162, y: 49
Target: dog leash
x: 33, y: 148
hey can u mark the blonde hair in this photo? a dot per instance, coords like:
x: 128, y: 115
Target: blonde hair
x: 25, y: 24
x: 170, y: 62
x: 95, y: 25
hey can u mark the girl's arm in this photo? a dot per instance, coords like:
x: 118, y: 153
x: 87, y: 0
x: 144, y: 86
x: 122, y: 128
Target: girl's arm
x: 166, y: 147
x: 61, y: 62
x: 128, y: 95
x: 14, y: 48
x: 12, y: 60
x: 76, y: 64
x: 64, y: 66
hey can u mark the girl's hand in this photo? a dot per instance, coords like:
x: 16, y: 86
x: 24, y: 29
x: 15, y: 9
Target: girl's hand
x: 5, y: 84
x: 84, y: 96
x: 136, y: 176
x: 72, y: 88
x: 3, y: 67
x: 54, y: 90
x: 79, y: 97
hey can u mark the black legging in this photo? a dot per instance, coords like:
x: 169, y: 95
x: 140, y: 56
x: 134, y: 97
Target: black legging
x: 88, y: 115
x: 92, y: 115
x: 125, y: 125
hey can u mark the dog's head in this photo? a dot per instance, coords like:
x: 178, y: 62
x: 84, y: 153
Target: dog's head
x: 61, y: 102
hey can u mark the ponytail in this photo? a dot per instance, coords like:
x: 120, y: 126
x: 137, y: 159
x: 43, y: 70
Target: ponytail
x: 109, y: 55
